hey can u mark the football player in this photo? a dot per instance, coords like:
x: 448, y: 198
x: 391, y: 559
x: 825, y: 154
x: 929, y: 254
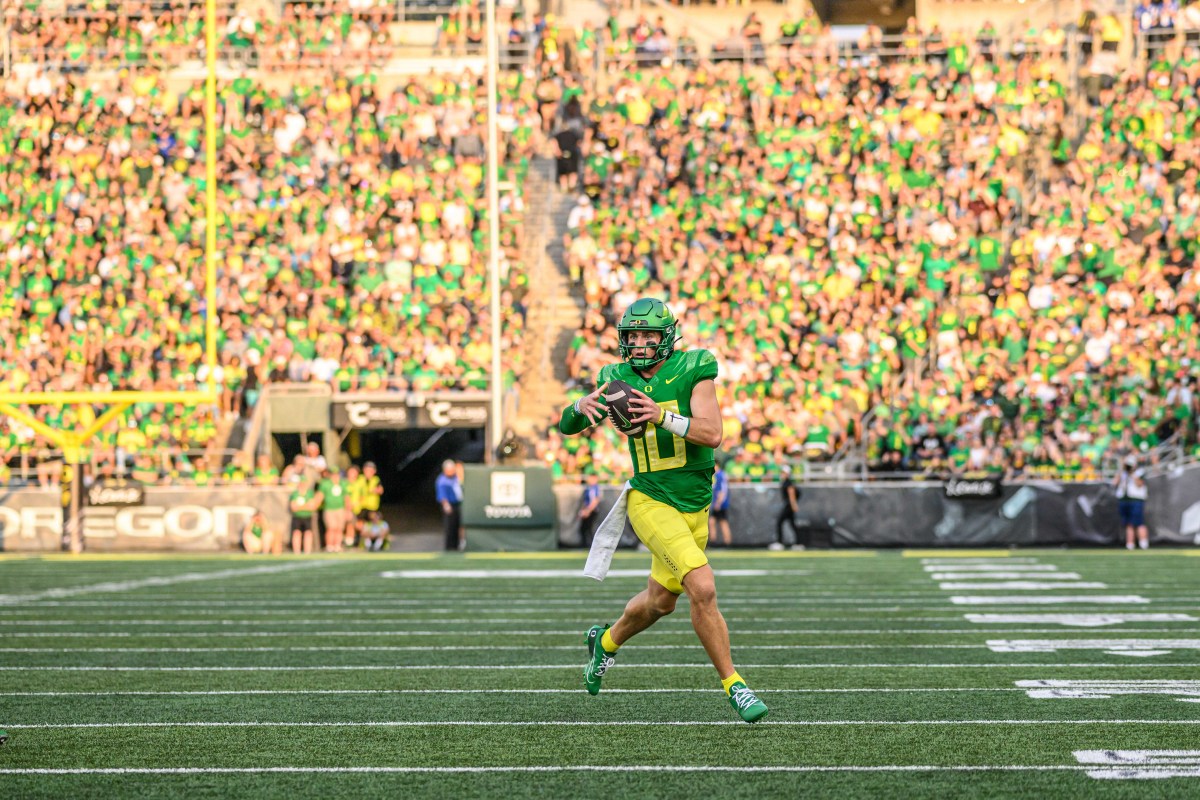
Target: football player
x: 671, y: 489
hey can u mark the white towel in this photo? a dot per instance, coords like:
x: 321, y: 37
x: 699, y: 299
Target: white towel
x: 607, y: 537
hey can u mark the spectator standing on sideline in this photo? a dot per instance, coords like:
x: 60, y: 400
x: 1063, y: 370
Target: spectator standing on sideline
x: 333, y: 508
x: 718, y: 519
x: 369, y: 491
x: 356, y: 518
x: 304, y: 502
x: 791, y: 506
x: 450, y: 495
x: 1130, y: 484
x: 375, y: 532
x: 589, y: 511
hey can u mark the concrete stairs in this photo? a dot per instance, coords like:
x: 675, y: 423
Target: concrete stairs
x: 555, y: 307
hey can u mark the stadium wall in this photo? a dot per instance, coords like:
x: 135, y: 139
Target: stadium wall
x: 185, y: 519
x: 843, y: 514
x: 922, y: 514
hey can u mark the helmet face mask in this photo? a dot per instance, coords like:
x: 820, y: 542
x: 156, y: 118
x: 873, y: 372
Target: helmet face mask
x: 649, y: 315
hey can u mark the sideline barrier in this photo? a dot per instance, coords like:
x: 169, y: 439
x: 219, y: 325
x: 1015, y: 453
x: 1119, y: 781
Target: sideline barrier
x: 915, y: 514
x: 849, y: 514
x: 169, y: 518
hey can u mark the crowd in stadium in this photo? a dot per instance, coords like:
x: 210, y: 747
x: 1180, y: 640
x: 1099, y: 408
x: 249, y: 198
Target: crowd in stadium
x: 995, y: 272
x: 351, y: 224
x: 949, y: 254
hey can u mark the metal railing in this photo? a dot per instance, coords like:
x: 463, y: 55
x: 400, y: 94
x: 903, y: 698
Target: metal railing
x: 252, y: 57
x: 1147, y: 44
x: 42, y: 466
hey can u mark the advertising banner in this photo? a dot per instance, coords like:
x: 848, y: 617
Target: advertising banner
x: 199, y: 519
x: 372, y: 414
x: 509, y: 508
x: 402, y: 410
x: 1173, y: 508
x: 909, y: 514
x: 115, y: 492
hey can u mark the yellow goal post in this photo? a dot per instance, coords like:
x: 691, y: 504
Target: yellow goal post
x: 71, y: 442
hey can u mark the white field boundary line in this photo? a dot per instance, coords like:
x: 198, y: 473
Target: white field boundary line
x: 497, y: 648
x: 675, y: 768
x: 408, y: 723
x: 161, y: 580
x: 666, y: 625
x: 676, y: 621
x: 524, y: 574
x: 575, y: 667
x: 268, y: 692
x: 267, y: 623
x: 841, y: 598
x: 545, y: 618
x: 946, y: 567
x: 255, y: 634
x: 387, y: 604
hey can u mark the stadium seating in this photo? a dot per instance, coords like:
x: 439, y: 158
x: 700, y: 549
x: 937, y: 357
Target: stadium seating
x: 351, y: 234
x: 940, y: 249
x: 958, y: 249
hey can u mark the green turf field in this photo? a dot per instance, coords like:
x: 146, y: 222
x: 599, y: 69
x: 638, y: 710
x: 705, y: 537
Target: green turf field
x: 888, y: 674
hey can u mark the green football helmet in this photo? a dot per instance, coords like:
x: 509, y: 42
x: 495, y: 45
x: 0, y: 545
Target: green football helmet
x: 648, y: 314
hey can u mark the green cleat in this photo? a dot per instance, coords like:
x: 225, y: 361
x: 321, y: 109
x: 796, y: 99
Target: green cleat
x: 600, y: 659
x: 746, y: 702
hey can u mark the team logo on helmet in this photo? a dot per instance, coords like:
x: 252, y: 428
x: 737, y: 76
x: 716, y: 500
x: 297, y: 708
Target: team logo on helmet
x: 648, y: 314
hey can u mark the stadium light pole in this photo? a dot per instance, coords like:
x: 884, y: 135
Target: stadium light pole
x: 496, y: 428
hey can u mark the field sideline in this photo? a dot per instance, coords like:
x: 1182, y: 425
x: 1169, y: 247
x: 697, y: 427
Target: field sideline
x: 890, y: 674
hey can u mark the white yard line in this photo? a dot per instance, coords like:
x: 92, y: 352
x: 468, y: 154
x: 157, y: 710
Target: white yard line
x: 784, y: 599
x: 470, y: 648
x: 495, y: 667
x: 219, y: 692
x: 605, y: 768
x: 1005, y: 576
x: 1019, y: 586
x: 508, y: 574
x: 740, y: 632
x: 1051, y: 599
x: 838, y: 723
x: 162, y: 580
x: 384, y: 604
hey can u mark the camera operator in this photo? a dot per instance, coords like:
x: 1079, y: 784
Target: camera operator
x: 1130, y: 485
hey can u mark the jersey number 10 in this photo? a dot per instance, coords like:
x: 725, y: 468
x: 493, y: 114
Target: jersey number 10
x: 646, y: 449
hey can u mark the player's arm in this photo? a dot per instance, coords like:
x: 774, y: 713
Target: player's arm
x: 582, y: 414
x: 702, y: 428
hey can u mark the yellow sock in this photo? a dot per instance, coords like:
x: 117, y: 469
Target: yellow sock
x: 606, y: 641
x: 730, y: 681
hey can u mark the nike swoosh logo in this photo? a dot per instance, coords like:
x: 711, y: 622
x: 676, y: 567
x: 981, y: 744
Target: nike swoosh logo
x: 668, y: 380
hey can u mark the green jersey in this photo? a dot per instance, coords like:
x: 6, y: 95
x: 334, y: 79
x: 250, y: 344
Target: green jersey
x: 302, y: 496
x: 334, y: 494
x: 665, y: 466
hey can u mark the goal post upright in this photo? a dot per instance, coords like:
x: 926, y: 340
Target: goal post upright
x: 210, y: 194
x: 72, y: 442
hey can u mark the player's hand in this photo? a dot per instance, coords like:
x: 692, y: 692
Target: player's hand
x: 642, y: 408
x: 590, y: 407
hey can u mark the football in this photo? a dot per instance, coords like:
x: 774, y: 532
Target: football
x: 617, y: 395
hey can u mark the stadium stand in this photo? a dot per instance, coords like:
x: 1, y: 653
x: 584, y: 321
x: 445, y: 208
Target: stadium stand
x: 967, y: 249
x: 351, y: 233
x: 994, y: 267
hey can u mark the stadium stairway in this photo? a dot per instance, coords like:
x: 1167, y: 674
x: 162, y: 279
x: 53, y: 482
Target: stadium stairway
x: 231, y: 434
x: 555, y: 308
